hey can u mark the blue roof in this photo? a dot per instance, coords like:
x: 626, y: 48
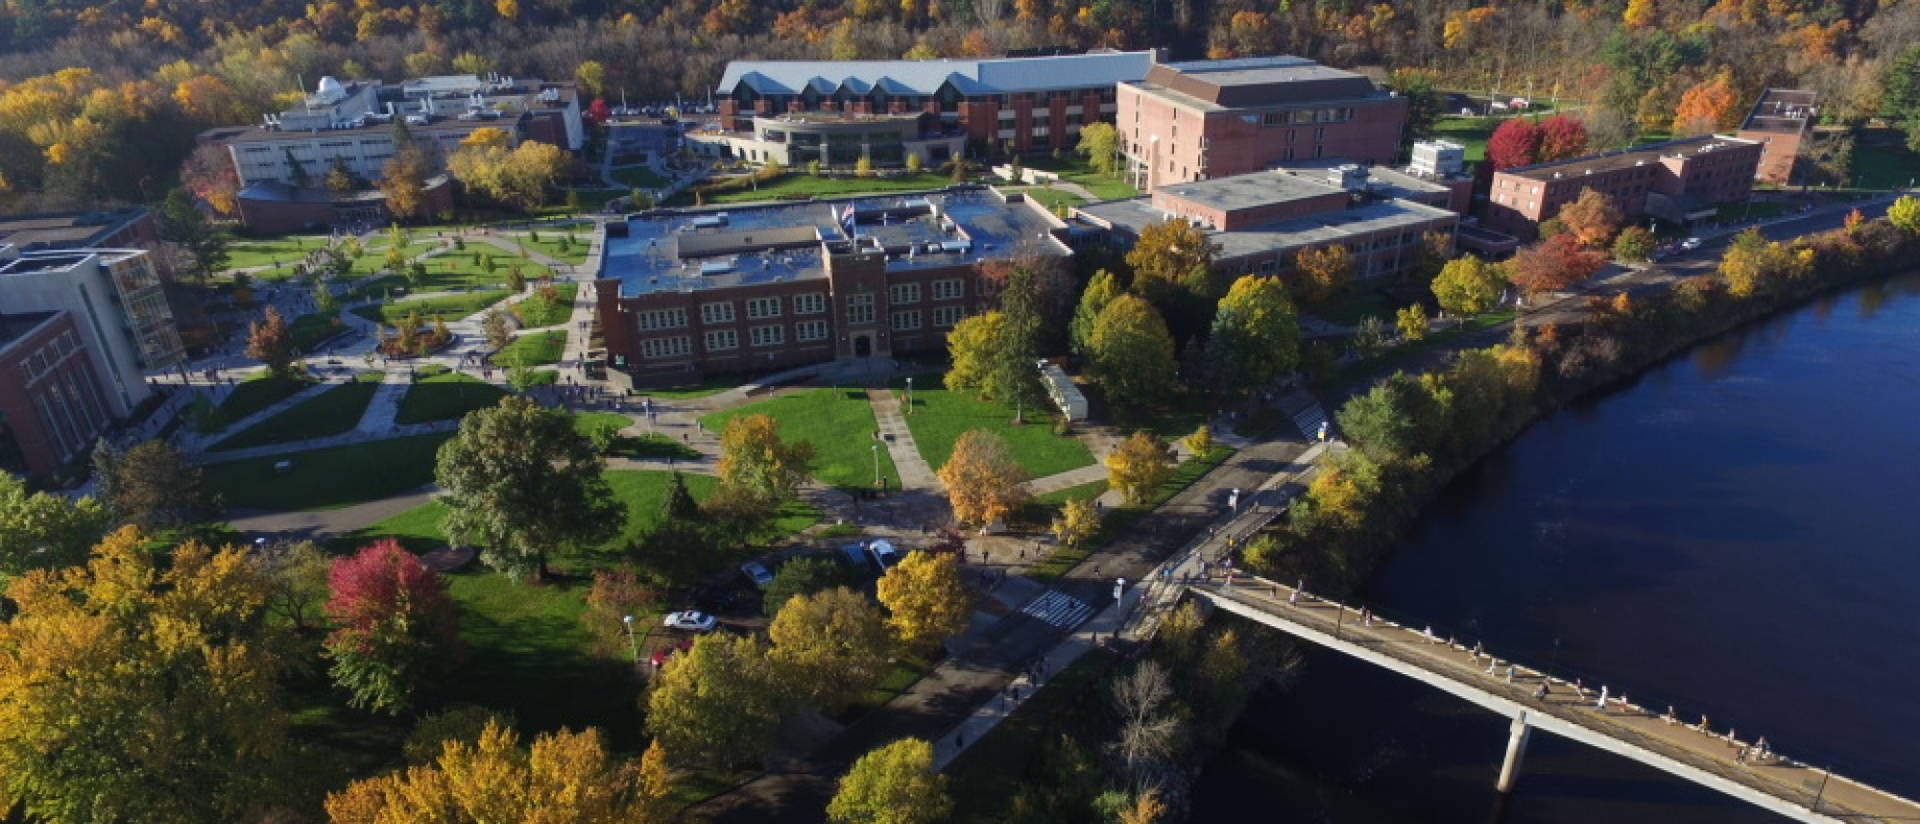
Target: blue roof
x: 982, y: 76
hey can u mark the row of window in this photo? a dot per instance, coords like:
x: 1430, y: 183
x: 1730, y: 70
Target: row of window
x: 1298, y: 116
x: 806, y: 331
x: 40, y: 361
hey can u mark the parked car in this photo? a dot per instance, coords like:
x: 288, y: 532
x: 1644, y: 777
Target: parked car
x: 1690, y: 244
x: 884, y: 555
x: 661, y: 655
x: 691, y: 620
x: 757, y: 573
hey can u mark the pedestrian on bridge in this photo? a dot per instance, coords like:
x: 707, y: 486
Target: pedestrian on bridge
x: 1602, y: 705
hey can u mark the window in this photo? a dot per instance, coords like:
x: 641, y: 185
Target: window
x: 758, y: 308
x: 716, y: 312
x: 810, y: 330
x: 906, y: 320
x: 813, y: 303
x: 769, y: 335
x: 859, y: 308
x: 903, y: 293
x: 947, y: 315
x: 658, y: 348
x: 947, y: 289
x: 719, y: 339
x: 663, y: 319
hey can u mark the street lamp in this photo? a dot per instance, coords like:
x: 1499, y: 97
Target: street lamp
x: 631, y: 641
x: 876, y: 466
x: 909, y: 394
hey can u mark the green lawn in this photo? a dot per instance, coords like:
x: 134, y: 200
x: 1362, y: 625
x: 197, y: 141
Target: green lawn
x: 799, y: 185
x: 451, y: 307
x: 536, y: 312
x: 375, y: 257
x: 1072, y: 167
x: 252, y: 395
x: 840, y: 425
x: 1355, y: 305
x: 308, y: 330
x: 700, y: 389
x: 1470, y: 132
x: 456, y: 270
x: 1884, y: 165
x: 328, y: 478
x: 244, y: 254
x: 639, y: 177
x: 332, y: 412
x: 274, y: 275
x: 1051, y: 198
x: 443, y: 395
x: 1119, y: 520
x: 549, y: 245
x: 533, y: 349
x: 940, y: 417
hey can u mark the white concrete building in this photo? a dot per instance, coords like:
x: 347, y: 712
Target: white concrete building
x: 117, y: 304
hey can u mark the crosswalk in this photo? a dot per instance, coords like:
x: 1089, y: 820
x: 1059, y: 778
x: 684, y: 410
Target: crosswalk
x: 1059, y: 609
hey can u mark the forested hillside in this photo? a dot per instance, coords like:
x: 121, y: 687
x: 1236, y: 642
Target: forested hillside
x: 99, y: 100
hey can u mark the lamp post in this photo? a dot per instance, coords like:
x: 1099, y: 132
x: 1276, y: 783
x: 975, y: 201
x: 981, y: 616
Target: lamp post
x: 876, y: 466
x: 909, y: 394
x: 631, y: 641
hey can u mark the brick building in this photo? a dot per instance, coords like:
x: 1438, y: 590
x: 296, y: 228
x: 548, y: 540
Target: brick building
x: 116, y: 305
x: 1678, y: 181
x: 273, y: 207
x: 758, y: 288
x: 841, y: 109
x: 53, y: 405
x: 1780, y: 121
x: 1259, y: 221
x: 1216, y: 118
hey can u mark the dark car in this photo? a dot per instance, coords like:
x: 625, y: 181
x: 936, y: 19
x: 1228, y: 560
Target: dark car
x: 715, y: 598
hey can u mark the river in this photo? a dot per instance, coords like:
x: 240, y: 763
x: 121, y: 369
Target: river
x: 1736, y: 532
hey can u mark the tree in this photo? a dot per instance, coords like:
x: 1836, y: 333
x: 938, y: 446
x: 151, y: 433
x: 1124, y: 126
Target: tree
x: 1138, y: 466
x: 863, y: 167
x: 1561, y: 137
x: 1754, y: 264
x: 1711, y: 104
x: 1515, y: 143
x: 1468, y: 285
x: 1147, y: 724
x: 1100, y: 291
x: 984, y: 482
x: 1173, y: 268
x: 1904, y: 214
x: 925, y: 599
x: 755, y: 461
x: 1011, y: 376
x: 565, y: 776
x: 403, y: 178
x: 970, y: 348
x: 717, y: 703
x: 802, y: 576
x: 42, y: 531
x: 497, y: 329
x: 1255, y: 337
x: 1900, y: 93
x: 185, y: 226
x: 520, y: 482
x: 895, y: 784
x: 592, y: 76
x: 1321, y: 272
x: 1639, y: 14
x: 516, y: 277
x: 1132, y: 352
x: 339, y: 179
x: 1421, y: 88
x: 1412, y: 321
x: 1554, y: 264
x: 519, y: 177
x: 1101, y: 144
x: 1201, y: 441
x: 1592, y: 218
x: 831, y: 647
x: 324, y: 299
x: 153, y: 484
x: 208, y: 174
x: 142, y: 686
x: 269, y: 341
x: 396, y: 633
x: 1634, y: 244
x: 297, y: 579
x: 1078, y: 521
x: 296, y: 171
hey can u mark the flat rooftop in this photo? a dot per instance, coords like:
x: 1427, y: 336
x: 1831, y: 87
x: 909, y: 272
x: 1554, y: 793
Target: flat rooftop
x: 1384, y: 181
x: 716, y: 248
x: 31, y: 232
x: 1135, y: 214
x: 1625, y: 158
x: 1248, y: 191
x: 1782, y: 111
x: 20, y: 324
x: 1253, y: 82
x: 55, y: 261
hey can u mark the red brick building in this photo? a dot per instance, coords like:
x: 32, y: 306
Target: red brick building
x: 1678, y: 180
x: 1216, y: 118
x: 52, y: 406
x: 1027, y: 103
x: 760, y: 288
x: 1780, y: 121
x: 272, y: 207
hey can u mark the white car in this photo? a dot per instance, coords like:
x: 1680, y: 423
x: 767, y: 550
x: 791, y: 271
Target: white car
x: 1690, y: 244
x: 691, y: 620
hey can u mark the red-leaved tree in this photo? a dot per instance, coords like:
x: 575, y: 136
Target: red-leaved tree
x: 1515, y: 143
x: 397, y: 630
x: 1561, y: 136
x: 1554, y: 264
x: 598, y: 112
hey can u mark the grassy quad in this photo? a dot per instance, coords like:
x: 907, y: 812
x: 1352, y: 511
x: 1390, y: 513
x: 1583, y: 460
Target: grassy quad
x: 579, y: 239
x: 440, y: 394
x: 374, y: 260
x: 536, y: 312
x: 328, y: 478
x: 840, y: 425
x: 252, y: 395
x: 310, y: 329
x: 533, y: 349
x: 1118, y: 521
x: 450, y: 307
x: 1075, y: 169
x: 246, y: 254
x: 332, y: 412
x: 941, y: 416
x: 639, y: 177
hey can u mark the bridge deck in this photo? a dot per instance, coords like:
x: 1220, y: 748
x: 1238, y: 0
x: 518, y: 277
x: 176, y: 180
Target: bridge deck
x: 1780, y: 784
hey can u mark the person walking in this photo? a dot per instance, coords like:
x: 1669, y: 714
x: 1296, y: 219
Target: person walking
x: 1601, y: 705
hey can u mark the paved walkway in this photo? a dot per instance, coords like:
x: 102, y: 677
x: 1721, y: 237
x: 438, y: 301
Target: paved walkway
x: 914, y: 471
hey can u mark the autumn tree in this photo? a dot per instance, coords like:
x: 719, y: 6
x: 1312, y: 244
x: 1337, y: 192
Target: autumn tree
x: 1101, y: 144
x: 894, y: 784
x: 1634, y: 244
x: 831, y: 647
x: 182, y: 224
x: 403, y: 178
x: 592, y: 77
x: 1321, y: 271
x: 716, y: 704
x: 152, y: 484
x: 984, y: 482
x: 518, y: 177
x: 1592, y: 217
x: 925, y: 599
x: 803, y: 576
x: 1904, y: 214
x: 565, y: 776
x: 1173, y: 269
x: 614, y: 595
x: 208, y: 174
x: 497, y: 329
x: 1514, y: 143
x: 1412, y: 321
x: 970, y: 348
x: 1554, y: 264
x: 142, y: 686
x: 754, y: 460
x: 43, y: 531
x: 1078, y: 520
x: 396, y: 633
x: 522, y: 484
x: 1711, y: 104
x: 1138, y: 466
x: 1754, y: 264
x: 1131, y: 352
x: 1100, y: 291
x: 1255, y: 337
x: 297, y: 582
x: 1468, y: 285
x: 1425, y: 101
x: 1561, y: 137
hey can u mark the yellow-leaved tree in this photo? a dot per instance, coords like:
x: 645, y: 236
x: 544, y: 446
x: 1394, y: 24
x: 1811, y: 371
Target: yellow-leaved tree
x: 984, y: 483
x: 716, y: 704
x: 1140, y: 464
x: 755, y: 460
x: 832, y: 646
x: 1077, y: 522
x: 925, y: 599
x: 894, y: 784
x: 970, y: 347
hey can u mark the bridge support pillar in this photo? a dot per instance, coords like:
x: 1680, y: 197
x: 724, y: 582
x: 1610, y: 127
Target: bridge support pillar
x: 1516, y: 750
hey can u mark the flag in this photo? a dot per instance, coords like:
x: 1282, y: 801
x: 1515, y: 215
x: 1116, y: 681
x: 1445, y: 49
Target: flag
x: 846, y: 218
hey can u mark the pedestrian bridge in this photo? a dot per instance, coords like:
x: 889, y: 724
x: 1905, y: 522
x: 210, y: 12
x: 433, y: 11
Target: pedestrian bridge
x: 1693, y: 751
